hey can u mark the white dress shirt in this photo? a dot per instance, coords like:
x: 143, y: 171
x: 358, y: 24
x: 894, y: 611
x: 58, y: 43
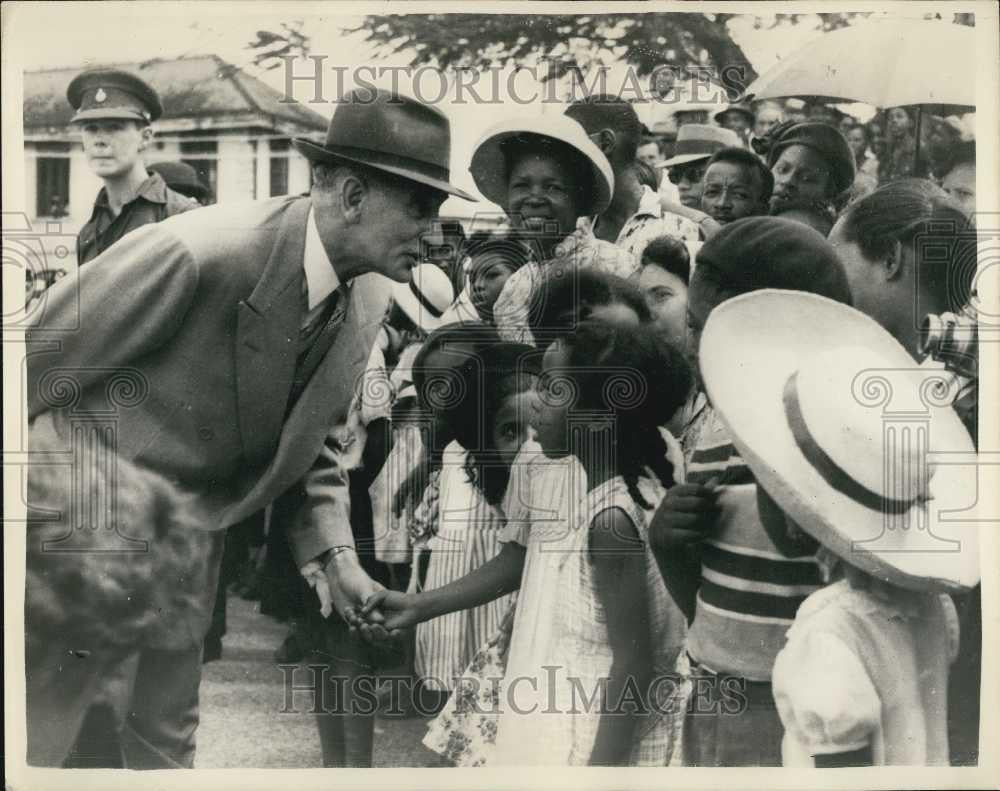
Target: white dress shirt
x: 320, y: 277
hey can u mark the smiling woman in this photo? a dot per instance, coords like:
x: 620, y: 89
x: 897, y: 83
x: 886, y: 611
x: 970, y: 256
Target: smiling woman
x: 547, y: 174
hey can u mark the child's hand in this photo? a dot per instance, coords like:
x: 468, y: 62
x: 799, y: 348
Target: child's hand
x: 686, y: 513
x: 399, y: 611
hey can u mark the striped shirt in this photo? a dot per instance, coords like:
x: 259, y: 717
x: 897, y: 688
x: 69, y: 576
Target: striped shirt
x: 749, y: 591
x: 466, y: 535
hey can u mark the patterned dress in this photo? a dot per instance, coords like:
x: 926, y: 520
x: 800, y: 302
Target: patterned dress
x: 583, y: 250
x: 580, y: 250
x: 558, y: 653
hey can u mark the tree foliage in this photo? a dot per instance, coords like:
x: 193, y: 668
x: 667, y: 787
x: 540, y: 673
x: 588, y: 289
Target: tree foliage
x: 646, y: 41
x: 270, y: 46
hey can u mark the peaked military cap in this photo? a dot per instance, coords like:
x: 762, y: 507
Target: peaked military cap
x: 110, y: 93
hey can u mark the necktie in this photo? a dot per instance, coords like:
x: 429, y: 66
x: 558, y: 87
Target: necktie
x: 316, y: 338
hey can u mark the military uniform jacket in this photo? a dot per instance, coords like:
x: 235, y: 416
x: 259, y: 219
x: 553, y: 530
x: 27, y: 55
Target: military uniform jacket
x: 154, y: 201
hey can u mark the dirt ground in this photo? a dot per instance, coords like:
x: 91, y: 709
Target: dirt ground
x: 242, y: 702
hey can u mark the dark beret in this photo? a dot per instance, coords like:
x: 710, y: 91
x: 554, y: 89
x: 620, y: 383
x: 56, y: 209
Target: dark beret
x: 180, y: 177
x: 825, y: 141
x: 771, y: 252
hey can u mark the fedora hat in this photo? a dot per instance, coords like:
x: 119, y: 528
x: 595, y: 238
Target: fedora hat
x: 489, y: 159
x: 426, y: 297
x: 700, y: 141
x: 813, y: 398
x: 391, y: 133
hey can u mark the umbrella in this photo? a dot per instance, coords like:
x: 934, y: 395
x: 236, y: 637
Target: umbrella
x: 889, y: 63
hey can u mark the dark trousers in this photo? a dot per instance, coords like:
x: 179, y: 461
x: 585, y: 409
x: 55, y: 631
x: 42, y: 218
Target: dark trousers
x: 723, y: 728
x: 157, y: 690
x: 347, y: 730
x: 965, y: 680
x: 347, y: 722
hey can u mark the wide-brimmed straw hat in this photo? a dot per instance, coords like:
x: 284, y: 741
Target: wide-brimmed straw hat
x: 836, y: 421
x: 388, y: 132
x: 700, y: 141
x: 490, y: 169
x: 426, y: 297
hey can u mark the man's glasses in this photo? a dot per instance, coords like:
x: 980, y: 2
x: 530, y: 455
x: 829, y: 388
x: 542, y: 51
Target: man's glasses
x: 692, y: 174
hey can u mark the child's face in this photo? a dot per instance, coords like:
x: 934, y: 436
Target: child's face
x: 730, y: 192
x: 511, y: 426
x: 555, y: 399
x: 667, y: 296
x: 857, y: 141
x: 488, y: 279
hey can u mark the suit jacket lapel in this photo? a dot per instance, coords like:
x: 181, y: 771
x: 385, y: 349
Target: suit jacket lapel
x: 326, y: 398
x: 267, y: 339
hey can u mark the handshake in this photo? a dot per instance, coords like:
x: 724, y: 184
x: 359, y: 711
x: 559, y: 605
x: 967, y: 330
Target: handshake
x: 384, y: 616
x: 380, y: 615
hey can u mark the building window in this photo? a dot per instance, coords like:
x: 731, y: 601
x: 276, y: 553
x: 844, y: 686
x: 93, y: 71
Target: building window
x: 279, y: 167
x: 203, y: 156
x: 52, y: 179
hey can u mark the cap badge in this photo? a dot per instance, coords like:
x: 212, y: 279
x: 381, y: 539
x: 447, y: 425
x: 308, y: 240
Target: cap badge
x: 100, y: 96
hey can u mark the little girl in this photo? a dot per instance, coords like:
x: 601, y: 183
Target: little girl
x: 593, y: 625
x: 490, y: 267
x: 461, y: 527
x: 434, y: 381
x: 863, y: 677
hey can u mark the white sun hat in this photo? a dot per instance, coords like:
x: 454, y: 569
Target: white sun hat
x: 847, y: 434
x: 426, y: 297
x: 489, y: 162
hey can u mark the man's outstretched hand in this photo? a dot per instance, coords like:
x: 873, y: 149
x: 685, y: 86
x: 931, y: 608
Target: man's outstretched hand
x: 350, y: 587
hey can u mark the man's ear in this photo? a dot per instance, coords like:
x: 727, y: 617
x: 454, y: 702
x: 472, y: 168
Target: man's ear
x: 894, y: 262
x: 353, y: 196
x: 145, y: 137
x: 606, y: 140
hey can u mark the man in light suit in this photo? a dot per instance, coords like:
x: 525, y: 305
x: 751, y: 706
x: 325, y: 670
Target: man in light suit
x: 241, y: 330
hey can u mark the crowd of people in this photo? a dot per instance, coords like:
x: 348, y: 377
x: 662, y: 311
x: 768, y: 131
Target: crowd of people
x: 603, y: 476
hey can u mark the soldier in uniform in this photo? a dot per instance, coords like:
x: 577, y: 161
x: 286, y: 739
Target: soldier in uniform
x: 114, y: 110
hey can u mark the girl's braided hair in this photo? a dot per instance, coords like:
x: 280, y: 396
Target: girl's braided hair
x: 630, y: 374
